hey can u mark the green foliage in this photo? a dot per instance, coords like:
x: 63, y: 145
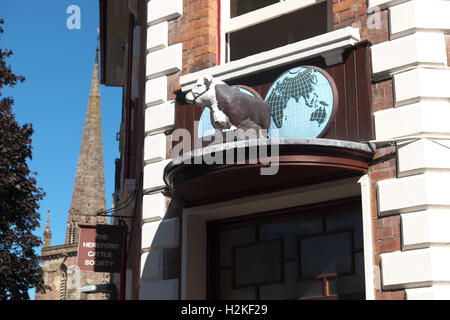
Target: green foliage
x: 19, y: 197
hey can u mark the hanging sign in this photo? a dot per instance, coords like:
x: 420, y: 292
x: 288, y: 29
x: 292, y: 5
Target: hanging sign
x: 100, y: 248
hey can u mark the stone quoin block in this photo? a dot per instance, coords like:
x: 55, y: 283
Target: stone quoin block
x: 153, y: 207
x: 153, y: 176
x: 413, y: 120
x: 415, y: 268
x: 155, y: 148
x: 434, y: 292
x: 156, y: 91
x: 163, y: 10
x: 157, y: 36
x: 165, y: 61
x: 149, y: 230
x: 160, y: 118
x: 419, y: 48
x: 421, y: 83
x: 159, y: 290
x: 167, y: 235
x: 417, y: 156
x: 413, y: 193
x: 426, y: 228
x: 152, y: 265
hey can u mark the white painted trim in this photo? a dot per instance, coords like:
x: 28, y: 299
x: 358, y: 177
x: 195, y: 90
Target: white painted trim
x: 374, y: 5
x: 193, y: 257
x: 264, y: 14
x: 369, y: 276
x: 323, y: 45
x: 224, y: 20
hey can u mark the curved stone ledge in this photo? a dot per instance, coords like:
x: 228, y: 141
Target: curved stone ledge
x: 239, y: 167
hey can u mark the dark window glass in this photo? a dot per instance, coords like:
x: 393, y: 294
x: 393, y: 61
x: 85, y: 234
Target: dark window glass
x: 299, y: 255
x: 239, y: 7
x: 326, y: 253
x: 255, y: 264
x: 289, y: 28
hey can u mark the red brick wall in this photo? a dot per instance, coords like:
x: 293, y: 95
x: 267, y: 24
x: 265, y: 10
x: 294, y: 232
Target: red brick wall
x: 386, y: 230
x: 354, y: 13
x: 197, y: 30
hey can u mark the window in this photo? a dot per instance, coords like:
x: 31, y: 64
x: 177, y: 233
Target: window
x: 72, y: 232
x: 62, y: 287
x: 240, y: 7
x: 252, y: 26
x: 312, y: 254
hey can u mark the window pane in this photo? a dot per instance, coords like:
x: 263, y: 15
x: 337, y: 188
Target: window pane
x: 350, y: 287
x: 322, y: 254
x: 352, y: 219
x: 291, y: 289
x: 289, y: 28
x: 238, y: 7
x: 227, y: 293
x: 289, y: 232
x: 258, y: 263
x: 231, y: 238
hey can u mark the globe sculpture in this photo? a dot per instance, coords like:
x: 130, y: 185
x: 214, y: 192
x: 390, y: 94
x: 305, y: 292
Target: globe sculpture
x: 303, y: 100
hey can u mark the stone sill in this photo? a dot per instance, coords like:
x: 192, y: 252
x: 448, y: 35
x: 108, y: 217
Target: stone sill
x: 330, y: 46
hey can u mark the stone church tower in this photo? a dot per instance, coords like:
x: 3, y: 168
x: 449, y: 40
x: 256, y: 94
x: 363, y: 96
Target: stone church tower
x: 59, y: 262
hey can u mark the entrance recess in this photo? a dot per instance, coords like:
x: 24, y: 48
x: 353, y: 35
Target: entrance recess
x: 310, y: 252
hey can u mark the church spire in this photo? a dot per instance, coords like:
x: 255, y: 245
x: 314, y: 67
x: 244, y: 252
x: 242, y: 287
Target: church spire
x: 88, y: 196
x: 47, y: 232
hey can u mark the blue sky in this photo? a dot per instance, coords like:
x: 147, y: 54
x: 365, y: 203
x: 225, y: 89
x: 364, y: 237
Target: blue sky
x: 57, y: 63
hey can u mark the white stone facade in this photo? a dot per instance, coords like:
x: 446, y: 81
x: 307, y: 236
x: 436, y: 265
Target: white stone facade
x: 158, y: 233
x: 416, y: 58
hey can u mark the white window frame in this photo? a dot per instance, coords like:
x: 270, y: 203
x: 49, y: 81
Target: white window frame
x: 229, y: 25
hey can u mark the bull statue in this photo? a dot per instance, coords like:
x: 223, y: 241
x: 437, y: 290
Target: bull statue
x: 230, y: 108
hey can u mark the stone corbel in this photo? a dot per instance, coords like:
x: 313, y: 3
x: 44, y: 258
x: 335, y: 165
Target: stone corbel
x: 333, y: 57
